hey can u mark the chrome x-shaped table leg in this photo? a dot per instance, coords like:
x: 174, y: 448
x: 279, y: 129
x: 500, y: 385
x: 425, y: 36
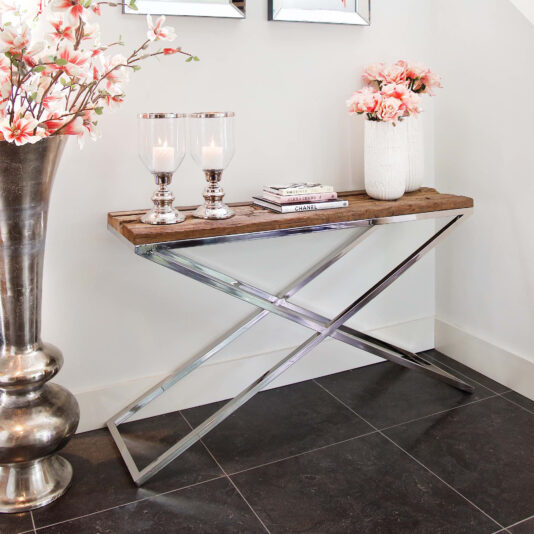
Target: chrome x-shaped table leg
x: 281, y: 306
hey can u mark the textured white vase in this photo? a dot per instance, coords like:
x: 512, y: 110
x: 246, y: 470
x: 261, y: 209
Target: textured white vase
x: 416, y: 153
x: 386, y: 159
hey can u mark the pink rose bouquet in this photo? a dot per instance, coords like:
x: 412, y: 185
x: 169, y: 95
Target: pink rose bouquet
x: 60, y: 83
x: 393, y: 92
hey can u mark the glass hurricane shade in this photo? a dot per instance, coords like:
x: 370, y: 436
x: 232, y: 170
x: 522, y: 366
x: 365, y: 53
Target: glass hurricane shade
x: 212, y: 139
x: 161, y: 141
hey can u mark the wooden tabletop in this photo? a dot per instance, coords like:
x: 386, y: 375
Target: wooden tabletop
x: 250, y: 218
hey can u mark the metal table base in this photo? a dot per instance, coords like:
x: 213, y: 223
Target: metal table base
x: 168, y: 254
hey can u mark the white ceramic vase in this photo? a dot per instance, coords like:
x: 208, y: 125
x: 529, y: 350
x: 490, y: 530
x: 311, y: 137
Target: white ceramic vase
x: 416, y: 153
x: 386, y: 159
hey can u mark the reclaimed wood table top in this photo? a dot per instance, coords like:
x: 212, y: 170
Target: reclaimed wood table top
x: 250, y: 218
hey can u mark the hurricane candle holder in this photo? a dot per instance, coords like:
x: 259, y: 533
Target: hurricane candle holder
x: 212, y: 148
x: 162, y: 150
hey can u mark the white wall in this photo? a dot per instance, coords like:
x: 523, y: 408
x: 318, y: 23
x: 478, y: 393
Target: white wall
x: 484, y: 148
x: 526, y: 7
x: 122, y: 321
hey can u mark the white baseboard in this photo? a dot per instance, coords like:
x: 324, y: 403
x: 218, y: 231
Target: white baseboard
x: 509, y: 369
x: 222, y: 380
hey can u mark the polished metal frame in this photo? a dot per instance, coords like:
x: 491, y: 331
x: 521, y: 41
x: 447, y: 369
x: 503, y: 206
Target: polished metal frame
x: 168, y: 255
x: 187, y: 8
x: 278, y: 10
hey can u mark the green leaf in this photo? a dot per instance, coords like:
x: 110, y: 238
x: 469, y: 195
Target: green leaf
x: 60, y: 61
x: 132, y: 5
x: 99, y: 110
x: 39, y: 68
x: 63, y: 82
x: 195, y: 58
x: 33, y: 96
x: 189, y: 59
x: 136, y: 68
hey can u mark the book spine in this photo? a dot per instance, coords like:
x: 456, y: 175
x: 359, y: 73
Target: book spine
x: 292, y: 199
x: 312, y: 207
x: 300, y: 190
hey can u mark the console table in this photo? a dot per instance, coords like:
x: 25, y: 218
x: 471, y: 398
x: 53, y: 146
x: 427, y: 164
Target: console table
x: 164, y: 245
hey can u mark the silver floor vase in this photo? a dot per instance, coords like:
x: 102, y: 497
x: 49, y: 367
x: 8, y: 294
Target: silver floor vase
x: 36, y: 418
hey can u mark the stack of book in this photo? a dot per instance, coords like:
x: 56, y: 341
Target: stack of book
x: 292, y: 198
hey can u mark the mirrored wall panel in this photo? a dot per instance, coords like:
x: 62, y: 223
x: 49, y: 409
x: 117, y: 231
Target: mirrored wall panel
x: 234, y: 9
x: 329, y: 11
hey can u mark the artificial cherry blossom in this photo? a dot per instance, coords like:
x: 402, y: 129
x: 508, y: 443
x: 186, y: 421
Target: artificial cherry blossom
x: 74, y: 8
x: 158, y: 31
x: 59, y: 86
x: 19, y: 131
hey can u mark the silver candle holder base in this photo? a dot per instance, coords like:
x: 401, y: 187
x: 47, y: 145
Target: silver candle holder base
x: 163, y: 211
x: 213, y: 207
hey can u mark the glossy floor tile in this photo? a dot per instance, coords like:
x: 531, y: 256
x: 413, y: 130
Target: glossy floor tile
x: 366, y: 485
x: 526, y: 527
x: 456, y: 367
x: 15, y: 523
x: 386, y: 394
x: 276, y: 424
x: 520, y: 400
x: 100, y: 477
x: 304, y: 460
x: 207, y: 508
x: 485, y: 451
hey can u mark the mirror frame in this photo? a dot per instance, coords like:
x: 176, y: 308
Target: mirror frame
x: 188, y: 8
x: 360, y: 17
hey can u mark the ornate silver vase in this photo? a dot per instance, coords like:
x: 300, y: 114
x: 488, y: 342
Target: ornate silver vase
x: 36, y: 418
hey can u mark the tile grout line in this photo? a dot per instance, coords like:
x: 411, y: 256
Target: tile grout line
x: 355, y: 437
x: 33, y: 522
x: 303, y: 453
x: 438, y: 413
x: 502, y: 395
x: 415, y: 460
x: 379, y: 431
x: 522, y: 521
x: 96, y: 512
x: 227, y: 476
x: 437, y: 362
x: 410, y: 420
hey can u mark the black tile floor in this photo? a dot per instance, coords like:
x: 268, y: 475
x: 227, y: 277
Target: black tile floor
x: 380, y: 449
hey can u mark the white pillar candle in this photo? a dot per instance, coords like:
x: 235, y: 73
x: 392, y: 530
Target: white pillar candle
x: 212, y: 157
x: 163, y: 158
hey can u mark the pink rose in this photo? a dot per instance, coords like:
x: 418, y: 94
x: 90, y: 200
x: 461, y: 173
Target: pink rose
x: 395, y: 90
x: 390, y: 109
x: 412, y: 101
x: 431, y: 81
x: 354, y: 103
x: 416, y: 71
x: 364, y: 101
x: 372, y: 72
x: 394, y: 74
